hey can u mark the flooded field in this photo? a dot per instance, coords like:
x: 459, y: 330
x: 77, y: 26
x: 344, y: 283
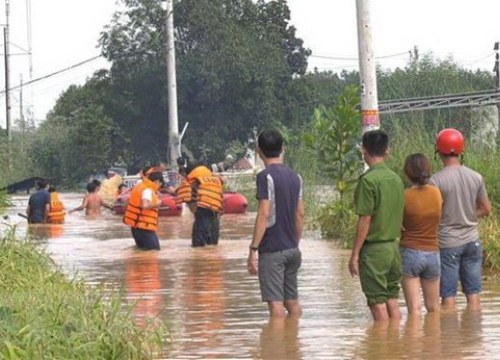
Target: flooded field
x: 213, y: 306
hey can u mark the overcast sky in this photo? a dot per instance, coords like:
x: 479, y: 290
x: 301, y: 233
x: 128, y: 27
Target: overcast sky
x: 65, y: 32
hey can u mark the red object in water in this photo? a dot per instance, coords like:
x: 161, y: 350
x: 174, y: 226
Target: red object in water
x: 234, y: 203
x: 168, y: 206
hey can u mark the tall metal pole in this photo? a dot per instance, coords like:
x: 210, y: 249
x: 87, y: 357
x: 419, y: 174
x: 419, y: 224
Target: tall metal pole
x: 7, y: 73
x: 496, y: 69
x: 21, y: 109
x: 367, y: 69
x: 173, y: 126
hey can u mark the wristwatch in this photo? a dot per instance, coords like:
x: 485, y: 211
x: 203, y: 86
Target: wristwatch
x: 254, y: 248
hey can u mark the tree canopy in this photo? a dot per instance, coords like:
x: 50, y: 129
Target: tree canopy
x: 240, y: 68
x: 235, y: 62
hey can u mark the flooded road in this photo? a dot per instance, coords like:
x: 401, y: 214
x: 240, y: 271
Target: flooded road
x: 213, y: 306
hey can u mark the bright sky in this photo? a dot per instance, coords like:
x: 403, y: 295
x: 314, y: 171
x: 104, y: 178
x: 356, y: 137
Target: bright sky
x: 65, y: 32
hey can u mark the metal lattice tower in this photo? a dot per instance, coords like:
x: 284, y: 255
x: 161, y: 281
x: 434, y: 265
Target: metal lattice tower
x: 472, y: 99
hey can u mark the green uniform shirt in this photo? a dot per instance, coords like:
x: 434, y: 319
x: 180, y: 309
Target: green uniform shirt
x: 380, y: 193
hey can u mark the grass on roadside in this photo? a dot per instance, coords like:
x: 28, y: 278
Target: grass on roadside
x: 43, y: 315
x: 489, y: 231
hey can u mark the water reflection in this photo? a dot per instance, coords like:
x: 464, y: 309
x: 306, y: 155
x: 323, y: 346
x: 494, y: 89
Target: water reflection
x: 421, y: 336
x: 279, y: 340
x: 214, y: 310
x: 204, y: 304
x: 45, y: 231
x: 143, y: 283
x: 380, y: 341
x: 470, y: 333
x: 446, y: 335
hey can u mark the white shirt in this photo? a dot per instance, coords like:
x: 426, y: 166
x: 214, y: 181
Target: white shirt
x: 147, y: 194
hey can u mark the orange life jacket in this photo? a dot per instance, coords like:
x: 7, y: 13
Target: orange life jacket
x: 209, y: 194
x: 198, y: 172
x: 183, y: 193
x: 209, y: 191
x: 56, y: 212
x: 137, y: 217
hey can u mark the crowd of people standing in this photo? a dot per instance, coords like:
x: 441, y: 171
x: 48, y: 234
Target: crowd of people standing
x: 436, y: 219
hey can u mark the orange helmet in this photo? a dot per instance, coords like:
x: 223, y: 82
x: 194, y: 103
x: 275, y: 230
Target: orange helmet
x: 450, y: 142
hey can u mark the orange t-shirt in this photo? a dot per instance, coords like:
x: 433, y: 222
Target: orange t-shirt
x: 422, y: 215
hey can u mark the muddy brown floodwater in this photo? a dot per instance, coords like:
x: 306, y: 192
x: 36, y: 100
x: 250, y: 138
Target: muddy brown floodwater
x: 213, y: 306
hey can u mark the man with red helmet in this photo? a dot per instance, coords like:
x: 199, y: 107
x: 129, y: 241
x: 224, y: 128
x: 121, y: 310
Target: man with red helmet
x: 464, y: 201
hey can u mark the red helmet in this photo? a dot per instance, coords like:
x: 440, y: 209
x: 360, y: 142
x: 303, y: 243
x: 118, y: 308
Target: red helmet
x: 450, y: 142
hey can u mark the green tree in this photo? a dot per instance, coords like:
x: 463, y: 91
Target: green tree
x: 88, y: 146
x: 334, y: 136
x: 76, y: 140
x: 47, y: 150
x: 235, y: 60
x: 136, y: 84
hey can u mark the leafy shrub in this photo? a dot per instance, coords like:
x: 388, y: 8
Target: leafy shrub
x: 337, y: 220
x: 490, y: 232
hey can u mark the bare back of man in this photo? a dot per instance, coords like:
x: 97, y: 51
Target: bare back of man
x: 93, y: 206
x: 92, y: 202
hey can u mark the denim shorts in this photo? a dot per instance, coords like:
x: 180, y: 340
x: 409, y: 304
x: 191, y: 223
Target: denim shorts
x: 278, y: 274
x: 421, y: 264
x: 462, y: 263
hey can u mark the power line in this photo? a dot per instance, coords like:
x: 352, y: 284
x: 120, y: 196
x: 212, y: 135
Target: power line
x: 332, y: 57
x: 53, y: 74
x: 482, y: 58
x: 355, y: 58
x: 313, y: 56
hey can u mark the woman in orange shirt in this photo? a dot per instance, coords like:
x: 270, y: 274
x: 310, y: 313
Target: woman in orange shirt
x: 419, y: 244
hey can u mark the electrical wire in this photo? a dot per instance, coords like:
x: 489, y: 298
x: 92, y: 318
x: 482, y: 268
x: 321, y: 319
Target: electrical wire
x: 356, y: 58
x: 53, y: 74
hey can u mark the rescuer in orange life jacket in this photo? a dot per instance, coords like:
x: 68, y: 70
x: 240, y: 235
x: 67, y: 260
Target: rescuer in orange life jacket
x: 56, y: 211
x: 141, y: 213
x: 202, y: 191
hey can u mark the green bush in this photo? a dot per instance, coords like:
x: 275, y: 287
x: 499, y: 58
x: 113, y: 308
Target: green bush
x: 490, y: 233
x: 337, y: 220
x: 333, y: 139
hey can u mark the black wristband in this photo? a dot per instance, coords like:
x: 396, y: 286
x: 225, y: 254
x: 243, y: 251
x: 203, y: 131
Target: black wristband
x: 254, y: 248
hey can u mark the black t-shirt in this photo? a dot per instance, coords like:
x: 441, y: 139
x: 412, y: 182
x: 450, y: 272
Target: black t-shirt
x: 37, y: 203
x: 283, y: 188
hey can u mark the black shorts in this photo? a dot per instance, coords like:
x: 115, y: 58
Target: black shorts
x: 205, y: 228
x: 146, y: 239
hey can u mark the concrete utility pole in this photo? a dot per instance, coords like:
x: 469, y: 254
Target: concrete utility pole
x: 367, y: 70
x: 173, y: 126
x: 7, y: 74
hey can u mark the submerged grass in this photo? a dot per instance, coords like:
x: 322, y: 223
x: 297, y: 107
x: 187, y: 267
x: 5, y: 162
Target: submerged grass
x: 43, y: 315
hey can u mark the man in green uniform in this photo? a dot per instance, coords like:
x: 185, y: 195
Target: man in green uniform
x: 379, y: 203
